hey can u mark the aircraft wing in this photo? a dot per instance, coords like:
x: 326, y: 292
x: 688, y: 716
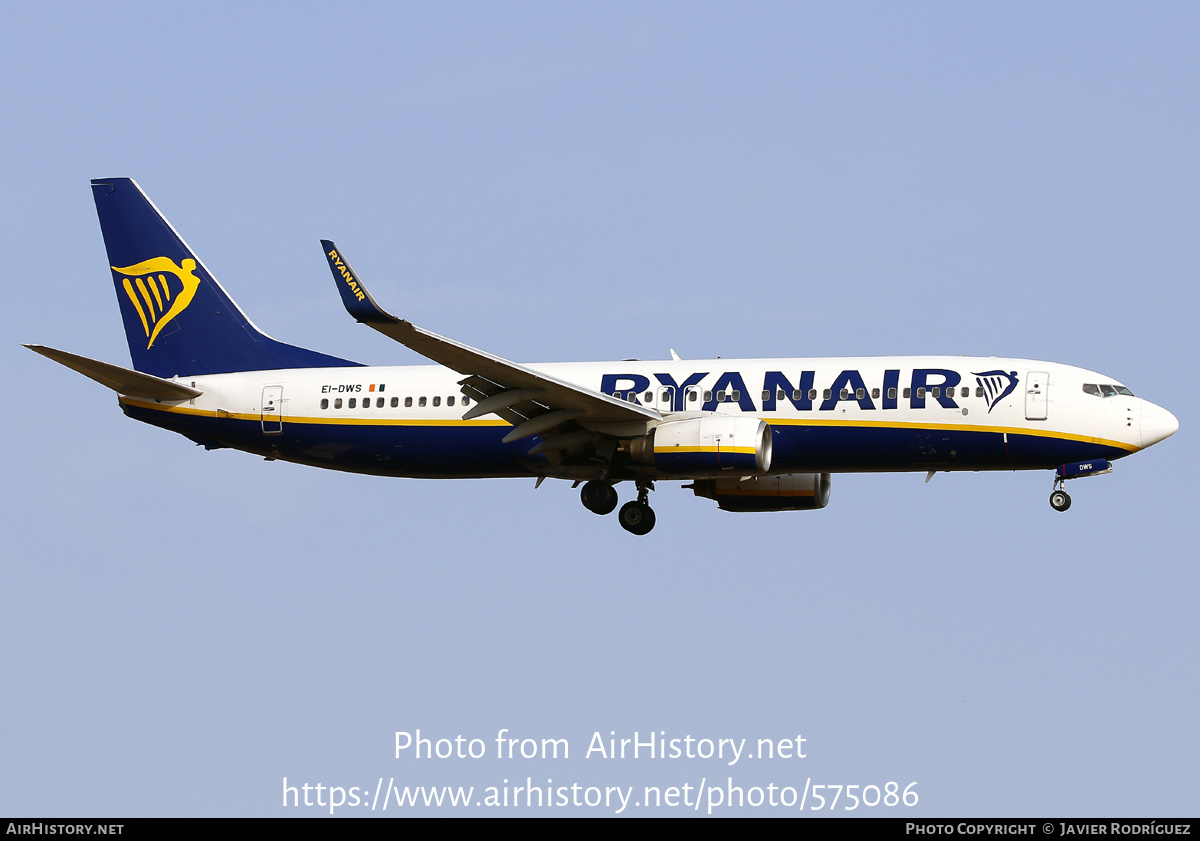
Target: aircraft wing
x: 532, y: 401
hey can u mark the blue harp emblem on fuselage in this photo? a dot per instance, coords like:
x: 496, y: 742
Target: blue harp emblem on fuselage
x: 159, y: 290
x: 996, y: 385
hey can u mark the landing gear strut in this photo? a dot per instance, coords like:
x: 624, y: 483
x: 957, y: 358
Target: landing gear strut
x: 637, y: 517
x: 599, y: 497
x: 1060, y: 500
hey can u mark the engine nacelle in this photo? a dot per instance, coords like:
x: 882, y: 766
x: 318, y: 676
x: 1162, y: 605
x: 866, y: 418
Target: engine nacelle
x: 709, y: 445
x: 789, y: 492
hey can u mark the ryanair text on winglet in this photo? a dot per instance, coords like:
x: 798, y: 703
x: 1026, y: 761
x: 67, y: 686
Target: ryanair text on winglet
x: 344, y: 270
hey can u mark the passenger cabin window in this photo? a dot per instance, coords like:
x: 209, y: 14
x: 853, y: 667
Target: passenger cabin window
x: 466, y: 401
x: 450, y: 401
x: 379, y: 403
x: 892, y: 394
x: 408, y: 402
x: 421, y: 402
x: 907, y: 393
x: 337, y: 404
x: 812, y: 394
x: 860, y: 393
x: 707, y: 396
x: 720, y: 397
x: 325, y: 403
x: 875, y: 393
x: 964, y: 392
x: 395, y: 402
x: 936, y: 391
x: 691, y: 397
x: 350, y: 403
x: 920, y: 394
x: 843, y: 394
x: 828, y: 394
x: 437, y: 401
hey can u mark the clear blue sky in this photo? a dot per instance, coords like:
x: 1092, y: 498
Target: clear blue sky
x: 180, y: 630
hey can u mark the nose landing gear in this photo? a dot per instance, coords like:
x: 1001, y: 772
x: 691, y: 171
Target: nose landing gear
x: 1060, y: 500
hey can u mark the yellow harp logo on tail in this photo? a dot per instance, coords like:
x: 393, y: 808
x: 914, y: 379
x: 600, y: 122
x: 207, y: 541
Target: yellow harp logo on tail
x: 149, y: 287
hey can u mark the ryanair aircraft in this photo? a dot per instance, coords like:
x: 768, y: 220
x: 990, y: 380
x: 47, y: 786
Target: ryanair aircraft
x: 751, y: 434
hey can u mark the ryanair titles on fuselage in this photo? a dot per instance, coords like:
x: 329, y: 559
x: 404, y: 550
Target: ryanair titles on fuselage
x: 938, y: 384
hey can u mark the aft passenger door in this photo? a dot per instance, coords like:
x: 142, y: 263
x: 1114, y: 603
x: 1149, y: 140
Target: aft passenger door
x: 1036, y: 386
x: 272, y: 410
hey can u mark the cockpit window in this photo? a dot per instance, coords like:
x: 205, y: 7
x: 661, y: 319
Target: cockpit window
x: 1106, y: 390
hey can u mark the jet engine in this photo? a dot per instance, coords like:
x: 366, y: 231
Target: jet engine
x: 788, y: 492
x: 709, y: 445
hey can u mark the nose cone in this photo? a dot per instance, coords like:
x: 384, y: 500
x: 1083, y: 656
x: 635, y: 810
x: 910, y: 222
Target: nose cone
x: 1157, y: 423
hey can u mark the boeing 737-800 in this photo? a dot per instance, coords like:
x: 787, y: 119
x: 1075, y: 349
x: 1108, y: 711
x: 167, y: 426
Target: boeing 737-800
x: 751, y: 434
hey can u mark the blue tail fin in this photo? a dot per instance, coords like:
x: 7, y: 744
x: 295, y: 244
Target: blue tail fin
x: 178, y: 319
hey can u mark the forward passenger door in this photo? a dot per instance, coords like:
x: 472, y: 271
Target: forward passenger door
x: 1037, y: 383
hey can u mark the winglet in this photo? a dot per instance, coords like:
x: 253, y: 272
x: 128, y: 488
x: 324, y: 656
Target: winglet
x: 564, y: 401
x: 355, y: 297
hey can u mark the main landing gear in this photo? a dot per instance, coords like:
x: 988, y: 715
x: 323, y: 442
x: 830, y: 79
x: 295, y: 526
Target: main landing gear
x: 636, y: 516
x: 598, y: 497
x: 1060, y: 500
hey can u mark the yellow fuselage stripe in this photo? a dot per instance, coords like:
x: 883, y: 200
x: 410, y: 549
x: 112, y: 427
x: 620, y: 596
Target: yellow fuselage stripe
x: 742, y: 450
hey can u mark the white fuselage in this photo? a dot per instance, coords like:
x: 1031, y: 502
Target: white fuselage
x: 834, y: 414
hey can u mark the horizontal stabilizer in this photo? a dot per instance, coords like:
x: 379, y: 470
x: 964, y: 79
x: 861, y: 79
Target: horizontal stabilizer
x: 121, y: 380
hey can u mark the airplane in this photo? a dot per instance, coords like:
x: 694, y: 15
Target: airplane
x: 749, y: 434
